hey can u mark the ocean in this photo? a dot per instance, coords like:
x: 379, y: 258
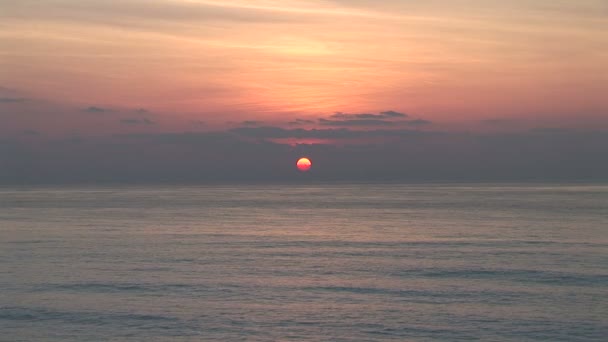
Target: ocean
x: 306, y: 262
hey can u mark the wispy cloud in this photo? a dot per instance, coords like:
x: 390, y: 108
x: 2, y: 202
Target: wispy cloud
x: 393, y: 114
x: 133, y: 121
x: 417, y: 122
x: 31, y: 133
x: 387, y: 118
x: 298, y: 122
x: 252, y: 123
x: 382, y: 115
x: 12, y: 99
x: 273, y: 132
x: 95, y: 109
x: 141, y: 11
x: 356, y: 122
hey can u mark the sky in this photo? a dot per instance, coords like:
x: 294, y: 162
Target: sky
x: 235, y: 90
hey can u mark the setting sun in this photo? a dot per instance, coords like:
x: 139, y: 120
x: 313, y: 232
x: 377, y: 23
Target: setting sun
x: 304, y: 164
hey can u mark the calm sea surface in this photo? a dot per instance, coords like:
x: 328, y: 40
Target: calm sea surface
x: 305, y: 263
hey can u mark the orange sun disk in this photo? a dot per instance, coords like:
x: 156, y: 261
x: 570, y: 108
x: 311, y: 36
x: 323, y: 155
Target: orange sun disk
x: 303, y: 164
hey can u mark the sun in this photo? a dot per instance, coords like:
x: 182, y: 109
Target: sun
x: 303, y: 164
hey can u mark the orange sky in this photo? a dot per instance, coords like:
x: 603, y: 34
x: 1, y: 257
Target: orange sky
x: 456, y: 63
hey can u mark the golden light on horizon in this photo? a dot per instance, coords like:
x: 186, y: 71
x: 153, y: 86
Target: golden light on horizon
x: 304, y: 164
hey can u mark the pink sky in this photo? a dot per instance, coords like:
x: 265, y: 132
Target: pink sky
x: 462, y: 65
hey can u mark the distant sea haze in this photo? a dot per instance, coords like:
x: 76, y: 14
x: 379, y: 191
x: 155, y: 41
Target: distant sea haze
x: 347, y: 262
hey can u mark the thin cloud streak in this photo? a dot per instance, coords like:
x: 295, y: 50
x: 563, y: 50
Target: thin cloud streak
x: 273, y: 132
x: 12, y: 99
x: 132, y: 121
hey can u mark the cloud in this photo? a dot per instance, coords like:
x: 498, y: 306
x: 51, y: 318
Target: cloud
x: 141, y: 111
x: 12, y: 99
x: 387, y: 118
x: 181, y: 138
x: 252, y: 123
x: 340, y: 115
x: 132, y: 121
x: 73, y: 140
x: 552, y: 130
x: 393, y: 114
x: 30, y: 132
x: 417, y: 122
x: 382, y: 115
x: 298, y: 122
x: 357, y: 122
x: 95, y: 109
x: 144, y: 12
x: 365, y: 124
x: 498, y: 122
x: 273, y: 132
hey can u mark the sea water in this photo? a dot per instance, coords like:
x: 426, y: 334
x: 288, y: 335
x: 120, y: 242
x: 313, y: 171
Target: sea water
x: 308, y: 262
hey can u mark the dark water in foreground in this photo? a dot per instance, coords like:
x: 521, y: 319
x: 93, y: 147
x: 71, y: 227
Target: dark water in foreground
x: 304, y: 263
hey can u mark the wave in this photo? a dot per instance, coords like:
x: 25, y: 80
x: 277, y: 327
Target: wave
x: 515, y: 275
x: 161, y: 289
x: 45, y: 314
